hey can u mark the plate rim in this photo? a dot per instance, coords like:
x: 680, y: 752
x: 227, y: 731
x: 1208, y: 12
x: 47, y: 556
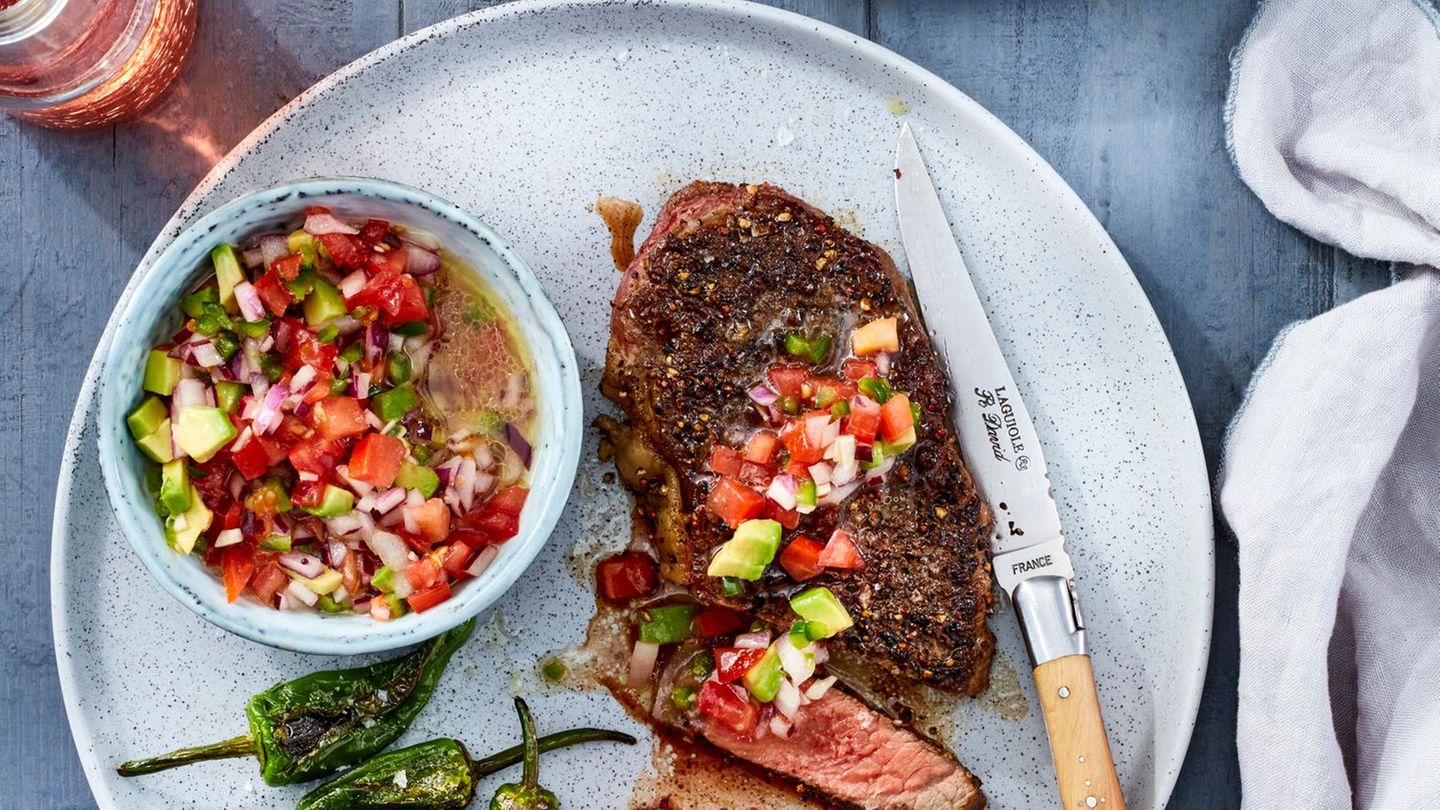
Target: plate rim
x: 1200, y: 524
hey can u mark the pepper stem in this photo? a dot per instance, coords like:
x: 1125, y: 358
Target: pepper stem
x: 242, y: 746
x: 501, y: 760
x: 531, y: 777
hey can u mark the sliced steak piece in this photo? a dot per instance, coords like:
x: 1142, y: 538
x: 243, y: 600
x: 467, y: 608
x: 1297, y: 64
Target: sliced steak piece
x: 854, y: 757
x: 700, y: 316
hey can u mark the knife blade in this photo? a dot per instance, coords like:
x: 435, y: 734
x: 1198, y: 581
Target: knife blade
x: 1003, y: 452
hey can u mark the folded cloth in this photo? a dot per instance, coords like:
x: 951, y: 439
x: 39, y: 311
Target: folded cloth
x: 1331, y: 475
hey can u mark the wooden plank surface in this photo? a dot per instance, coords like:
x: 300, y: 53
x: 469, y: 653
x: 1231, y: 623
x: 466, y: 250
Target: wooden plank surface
x: 1123, y: 98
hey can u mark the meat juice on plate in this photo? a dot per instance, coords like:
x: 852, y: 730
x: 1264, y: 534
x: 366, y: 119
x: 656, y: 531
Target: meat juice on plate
x: 341, y: 421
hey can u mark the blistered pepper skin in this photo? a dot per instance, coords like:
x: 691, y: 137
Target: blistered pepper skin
x: 434, y: 775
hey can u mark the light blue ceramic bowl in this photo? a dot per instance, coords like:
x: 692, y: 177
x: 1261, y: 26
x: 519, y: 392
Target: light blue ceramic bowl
x: 152, y: 314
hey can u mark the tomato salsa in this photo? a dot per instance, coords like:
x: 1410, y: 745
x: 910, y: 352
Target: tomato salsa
x: 341, y: 421
x: 826, y: 425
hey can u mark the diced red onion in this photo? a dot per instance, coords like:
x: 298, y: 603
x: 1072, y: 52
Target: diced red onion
x: 798, y: 663
x: 764, y: 396
x: 343, y: 525
x: 269, y: 417
x: 484, y: 482
x: 815, y: 428
x: 229, y: 537
x: 844, y: 473
x: 391, y: 519
x: 882, y: 363
x: 389, y: 499
x: 465, y: 483
x: 282, y: 602
x: 390, y: 549
x: 782, y: 490
x: 413, y: 497
x: 303, y: 564
x: 419, y: 261
x: 249, y: 300
x: 774, y: 416
x: 185, y: 394
x: 360, y: 487
x: 820, y: 473
x: 758, y: 640
x: 817, y: 690
x: 864, y: 452
x: 421, y: 238
x: 252, y: 258
x: 273, y: 246
x: 302, y: 530
x: 362, y: 385
x: 483, y: 560
x: 337, y: 552
x: 518, y: 443
x: 325, y: 222
x: 787, y: 700
x: 838, y: 494
x: 373, y: 421
x: 642, y: 663
x: 408, y: 518
x: 236, y: 485
x: 352, y: 284
x: 780, y: 725
x: 301, y: 381
x: 346, y: 325
x: 879, y: 472
x: 366, y: 503
x: 299, y: 592
x: 376, y: 341
x: 205, y: 354
x: 268, y: 342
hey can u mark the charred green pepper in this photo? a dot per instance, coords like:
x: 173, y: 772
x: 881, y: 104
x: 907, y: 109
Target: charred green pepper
x: 527, y: 793
x: 435, y: 775
x: 322, y: 722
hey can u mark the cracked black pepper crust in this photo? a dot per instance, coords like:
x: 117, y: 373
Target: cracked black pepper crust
x: 698, y: 319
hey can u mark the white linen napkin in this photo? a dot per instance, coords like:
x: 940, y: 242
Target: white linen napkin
x: 1331, y: 476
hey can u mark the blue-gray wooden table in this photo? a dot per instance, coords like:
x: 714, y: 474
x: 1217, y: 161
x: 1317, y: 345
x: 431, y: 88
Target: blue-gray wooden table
x: 1124, y: 97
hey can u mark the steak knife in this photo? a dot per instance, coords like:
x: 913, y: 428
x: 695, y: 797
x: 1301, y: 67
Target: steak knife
x: 1003, y: 452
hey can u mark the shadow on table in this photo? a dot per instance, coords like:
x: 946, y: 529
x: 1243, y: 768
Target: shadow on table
x: 237, y: 74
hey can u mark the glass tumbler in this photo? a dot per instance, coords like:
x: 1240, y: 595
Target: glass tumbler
x: 79, y: 64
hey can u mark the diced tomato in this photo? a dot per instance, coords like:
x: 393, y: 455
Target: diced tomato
x: 308, y: 493
x: 412, y: 306
x: 305, y: 349
x: 290, y: 431
x: 717, y: 621
x: 374, y: 230
x: 268, y: 579
x: 864, y: 419
x: 788, y: 518
x: 725, y: 461
x: 320, y: 388
x: 826, y: 391
x: 457, y: 557
x: 788, y: 381
x: 346, y: 250
x: 725, y: 705
x: 287, y: 267
x: 397, y: 295
x: 761, y: 447
x: 317, y: 455
x: 424, y: 573
x: 252, y: 458
x: 377, y: 458
x: 857, y: 370
x: 509, y: 500
x: 432, y: 517
x: 799, y: 469
x: 734, y: 503
x: 413, y: 540
x: 498, y: 519
x: 424, y: 600
x: 896, y: 419
x: 273, y: 293
x: 755, y: 475
x: 338, y: 417
x: 841, y: 552
x: 231, y: 517
x: 801, y: 559
x: 390, y: 261
x: 733, y: 662
x: 797, y: 441
x: 237, y: 563
x: 475, y: 540
x: 626, y: 576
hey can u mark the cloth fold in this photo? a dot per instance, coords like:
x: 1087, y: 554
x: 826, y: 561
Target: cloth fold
x: 1331, y: 476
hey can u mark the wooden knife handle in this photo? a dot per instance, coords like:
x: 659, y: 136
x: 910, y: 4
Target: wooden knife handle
x: 1083, y: 765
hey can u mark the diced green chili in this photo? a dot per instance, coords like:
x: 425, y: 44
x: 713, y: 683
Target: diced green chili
x: 352, y: 352
x: 683, y: 697
x: 410, y: 329
x: 876, y: 388
x: 252, y: 329
x: 702, y: 665
x: 815, y: 349
x: 730, y: 586
x: 790, y: 405
x: 277, y: 542
x: 395, y: 403
x: 194, y: 303
x: 228, y: 395
x: 840, y: 409
x: 399, y: 368
x: 226, y: 344
x: 667, y: 624
x: 552, y: 670
x: 271, y: 367
x: 340, y: 386
x: 328, y: 334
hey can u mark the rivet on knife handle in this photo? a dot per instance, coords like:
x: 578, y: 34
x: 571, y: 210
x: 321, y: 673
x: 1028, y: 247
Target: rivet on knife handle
x: 1084, y: 767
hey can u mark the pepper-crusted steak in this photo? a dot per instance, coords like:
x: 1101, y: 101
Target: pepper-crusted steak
x: 698, y: 319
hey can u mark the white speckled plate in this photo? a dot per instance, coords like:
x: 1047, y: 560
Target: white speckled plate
x: 523, y: 114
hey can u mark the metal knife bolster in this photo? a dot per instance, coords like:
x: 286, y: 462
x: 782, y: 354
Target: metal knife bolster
x: 1041, y: 584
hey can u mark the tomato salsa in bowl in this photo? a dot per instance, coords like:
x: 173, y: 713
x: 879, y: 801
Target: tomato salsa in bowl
x: 338, y: 416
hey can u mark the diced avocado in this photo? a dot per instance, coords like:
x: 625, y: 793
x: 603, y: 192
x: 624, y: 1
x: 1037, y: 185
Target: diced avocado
x: 394, y: 403
x: 667, y: 624
x: 323, y: 304
x: 397, y: 605
x: 145, y: 419
x: 277, y: 542
x: 325, y: 583
x: 824, y: 614
x: 384, y: 579
x: 227, y: 275
x: 745, y: 555
x: 228, y: 395
x: 183, y: 529
x: 175, y: 486
x: 415, y: 476
x: 337, y: 501
x: 202, y: 431
x: 157, y: 444
x: 901, y: 443
x: 303, y: 243
x: 161, y: 372
x: 805, y: 494
x: 763, y: 679
x: 328, y: 605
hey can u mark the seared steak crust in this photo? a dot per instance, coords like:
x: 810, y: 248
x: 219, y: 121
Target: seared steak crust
x: 700, y: 316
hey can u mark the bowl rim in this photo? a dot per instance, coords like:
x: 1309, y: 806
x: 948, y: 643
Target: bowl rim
x: 378, y: 636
